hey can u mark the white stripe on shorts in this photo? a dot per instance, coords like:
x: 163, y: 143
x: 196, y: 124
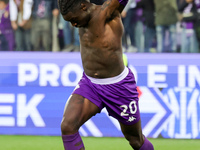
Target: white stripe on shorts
x: 111, y: 80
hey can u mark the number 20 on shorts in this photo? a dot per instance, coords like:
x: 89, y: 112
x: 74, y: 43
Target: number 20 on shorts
x: 132, y: 106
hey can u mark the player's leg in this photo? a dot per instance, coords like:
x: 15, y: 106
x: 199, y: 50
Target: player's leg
x: 133, y: 133
x: 77, y: 111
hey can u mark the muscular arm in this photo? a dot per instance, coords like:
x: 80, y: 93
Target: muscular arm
x: 110, y: 6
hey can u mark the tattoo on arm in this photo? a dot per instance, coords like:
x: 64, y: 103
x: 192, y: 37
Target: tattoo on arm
x: 106, y: 4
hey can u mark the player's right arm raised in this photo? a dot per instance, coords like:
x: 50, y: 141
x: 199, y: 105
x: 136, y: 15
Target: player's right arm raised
x: 110, y: 6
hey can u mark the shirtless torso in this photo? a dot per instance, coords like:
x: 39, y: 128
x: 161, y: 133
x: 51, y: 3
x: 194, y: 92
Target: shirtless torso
x: 101, y: 48
x: 100, y: 39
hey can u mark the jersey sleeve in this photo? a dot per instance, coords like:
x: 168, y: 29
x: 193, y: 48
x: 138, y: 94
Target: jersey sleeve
x: 27, y: 7
x: 13, y: 10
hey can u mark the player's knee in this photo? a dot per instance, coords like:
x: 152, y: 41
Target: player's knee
x: 67, y: 127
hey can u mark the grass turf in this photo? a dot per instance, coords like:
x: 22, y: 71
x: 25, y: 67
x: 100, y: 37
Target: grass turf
x: 10, y: 142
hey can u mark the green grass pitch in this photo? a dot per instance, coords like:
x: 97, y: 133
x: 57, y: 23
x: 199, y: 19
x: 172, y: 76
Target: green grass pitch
x: 11, y: 142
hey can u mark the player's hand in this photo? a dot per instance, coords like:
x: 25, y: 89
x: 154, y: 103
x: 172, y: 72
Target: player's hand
x: 21, y: 24
x: 123, y: 14
x: 55, y: 12
x: 14, y: 25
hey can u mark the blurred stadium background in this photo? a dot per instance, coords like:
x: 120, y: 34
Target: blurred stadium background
x: 34, y: 87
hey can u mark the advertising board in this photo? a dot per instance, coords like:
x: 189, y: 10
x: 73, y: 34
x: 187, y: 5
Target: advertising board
x: 34, y: 87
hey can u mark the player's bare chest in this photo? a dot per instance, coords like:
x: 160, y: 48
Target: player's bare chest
x: 88, y: 36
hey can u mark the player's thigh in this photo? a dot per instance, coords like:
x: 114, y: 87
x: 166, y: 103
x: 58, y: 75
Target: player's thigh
x: 133, y: 132
x: 78, y: 110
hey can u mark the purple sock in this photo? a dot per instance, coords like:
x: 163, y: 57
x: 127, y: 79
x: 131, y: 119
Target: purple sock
x: 72, y: 142
x: 147, y: 145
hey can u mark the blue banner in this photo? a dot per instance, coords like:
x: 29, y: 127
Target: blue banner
x: 34, y: 87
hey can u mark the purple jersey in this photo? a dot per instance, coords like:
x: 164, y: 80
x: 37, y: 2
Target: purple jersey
x: 6, y: 28
x: 118, y: 94
x: 197, y: 2
x: 5, y: 23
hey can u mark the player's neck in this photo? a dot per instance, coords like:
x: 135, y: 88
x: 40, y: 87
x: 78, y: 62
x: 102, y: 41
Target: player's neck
x: 93, y: 10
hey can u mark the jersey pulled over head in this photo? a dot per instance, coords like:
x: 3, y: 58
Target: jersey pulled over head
x: 123, y: 2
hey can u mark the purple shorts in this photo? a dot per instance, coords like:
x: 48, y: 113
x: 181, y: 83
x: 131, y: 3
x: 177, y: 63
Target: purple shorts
x: 118, y: 94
